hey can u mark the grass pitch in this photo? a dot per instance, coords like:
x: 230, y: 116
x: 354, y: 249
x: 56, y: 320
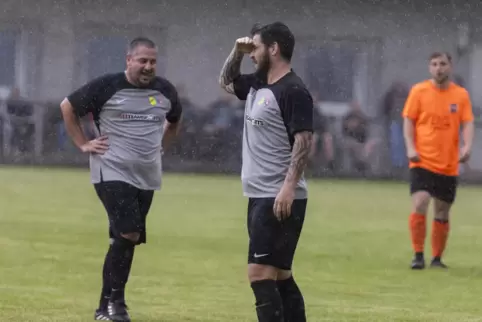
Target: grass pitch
x: 352, y: 261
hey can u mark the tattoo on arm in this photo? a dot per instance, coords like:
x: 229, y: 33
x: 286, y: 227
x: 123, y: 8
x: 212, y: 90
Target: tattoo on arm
x: 230, y: 70
x: 299, y: 157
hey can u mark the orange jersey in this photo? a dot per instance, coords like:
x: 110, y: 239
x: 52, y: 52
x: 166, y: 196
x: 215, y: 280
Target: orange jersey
x: 437, y: 115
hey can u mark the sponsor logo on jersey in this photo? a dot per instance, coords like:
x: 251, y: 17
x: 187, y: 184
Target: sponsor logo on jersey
x: 140, y: 117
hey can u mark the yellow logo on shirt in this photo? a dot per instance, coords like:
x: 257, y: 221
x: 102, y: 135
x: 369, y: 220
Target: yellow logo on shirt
x: 152, y: 100
x: 263, y: 101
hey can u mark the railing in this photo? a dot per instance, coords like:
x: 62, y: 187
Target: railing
x: 195, y: 150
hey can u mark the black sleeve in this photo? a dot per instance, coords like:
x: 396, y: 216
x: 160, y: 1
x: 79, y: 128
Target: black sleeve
x: 243, y: 84
x: 174, y: 114
x: 297, y: 109
x: 90, y: 97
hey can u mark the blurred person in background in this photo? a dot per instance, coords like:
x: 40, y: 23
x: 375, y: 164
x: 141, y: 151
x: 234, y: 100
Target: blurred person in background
x: 322, y: 138
x: 357, y: 143
x: 221, y: 114
x: 219, y: 134
x: 393, y: 103
x: 19, y: 112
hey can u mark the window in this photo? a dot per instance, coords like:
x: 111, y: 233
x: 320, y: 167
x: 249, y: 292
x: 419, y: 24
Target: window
x: 106, y: 54
x: 8, y: 47
x: 101, y: 48
x: 330, y: 70
x: 342, y: 69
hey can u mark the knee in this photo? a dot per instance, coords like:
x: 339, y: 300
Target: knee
x: 290, y: 290
x: 122, y: 243
x: 283, y: 275
x: 420, y: 205
x: 122, y: 248
x: 441, y: 215
x: 132, y: 237
x: 420, y: 209
x: 441, y: 210
x: 257, y: 272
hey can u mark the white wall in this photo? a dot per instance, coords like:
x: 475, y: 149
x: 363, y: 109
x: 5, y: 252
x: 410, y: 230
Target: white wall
x: 199, y: 39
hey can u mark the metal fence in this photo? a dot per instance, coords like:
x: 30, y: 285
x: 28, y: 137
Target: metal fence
x: 38, y: 137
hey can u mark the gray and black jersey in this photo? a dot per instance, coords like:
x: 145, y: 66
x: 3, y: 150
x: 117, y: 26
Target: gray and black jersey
x: 133, y: 119
x: 274, y: 113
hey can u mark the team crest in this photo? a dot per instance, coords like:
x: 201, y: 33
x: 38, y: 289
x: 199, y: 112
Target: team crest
x: 263, y: 101
x: 453, y: 108
x: 152, y: 100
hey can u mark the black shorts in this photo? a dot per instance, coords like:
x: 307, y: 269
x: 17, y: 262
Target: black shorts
x: 127, y: 207
x: 272, y: 242
x: 437, y: 185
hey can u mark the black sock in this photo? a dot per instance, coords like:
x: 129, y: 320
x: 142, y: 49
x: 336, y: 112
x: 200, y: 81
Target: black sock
x: 293, y: 302
x: 106, y: 287
x: 121, y: 261
x: 268, y: 301
x: 130, y: 264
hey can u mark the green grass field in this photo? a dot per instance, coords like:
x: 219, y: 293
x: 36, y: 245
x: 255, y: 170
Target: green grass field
x: 352, y: 261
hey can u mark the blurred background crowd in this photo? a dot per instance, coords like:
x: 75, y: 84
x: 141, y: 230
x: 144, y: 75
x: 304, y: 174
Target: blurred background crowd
x: 359, y: 73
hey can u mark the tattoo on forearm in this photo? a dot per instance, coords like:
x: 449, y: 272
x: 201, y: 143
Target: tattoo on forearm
x: 230, y: 70
x: 299, y: 156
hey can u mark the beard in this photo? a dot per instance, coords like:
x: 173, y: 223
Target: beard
x: 264, y: 65
x: 441, y: 79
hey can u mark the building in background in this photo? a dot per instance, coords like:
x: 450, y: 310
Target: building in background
x: 48, y: 47
x: 346, y: 50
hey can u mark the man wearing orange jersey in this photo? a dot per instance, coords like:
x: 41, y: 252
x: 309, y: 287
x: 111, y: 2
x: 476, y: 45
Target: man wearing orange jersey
x: 434, y: 112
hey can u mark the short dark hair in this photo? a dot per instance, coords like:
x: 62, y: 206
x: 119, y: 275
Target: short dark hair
x: 439, y: 54
x: 140, y: 41
x: 276, y: 32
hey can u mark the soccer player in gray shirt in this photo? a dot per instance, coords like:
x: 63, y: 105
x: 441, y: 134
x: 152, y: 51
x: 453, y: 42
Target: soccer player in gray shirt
x: 137, y: 114
x: 276, y: 143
